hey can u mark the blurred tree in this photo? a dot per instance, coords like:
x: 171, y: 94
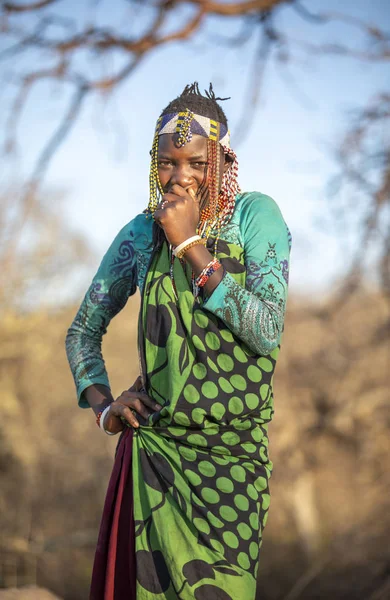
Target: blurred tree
x: 43, y: 40
x: 49, y: 253
x: 328, y: 435
x: 362, y: 188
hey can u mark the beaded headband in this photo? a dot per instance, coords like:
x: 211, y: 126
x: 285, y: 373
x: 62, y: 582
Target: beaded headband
x: 187, y: 123
x: 221, y: 201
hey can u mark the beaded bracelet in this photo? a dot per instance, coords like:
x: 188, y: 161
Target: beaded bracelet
x: 209, y: 270
x: 182, y: 252
x: 99, y: 416
x: 184, y: 244
x: 100, y: 420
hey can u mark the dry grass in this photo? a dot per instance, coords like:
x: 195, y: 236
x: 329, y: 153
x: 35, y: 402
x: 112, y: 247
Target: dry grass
x: 329, y: 524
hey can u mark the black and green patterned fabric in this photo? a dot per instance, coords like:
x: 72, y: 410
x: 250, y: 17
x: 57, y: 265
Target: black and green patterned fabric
x: 200, y: 465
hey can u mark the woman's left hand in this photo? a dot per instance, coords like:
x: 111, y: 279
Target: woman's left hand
x: 178, y: 214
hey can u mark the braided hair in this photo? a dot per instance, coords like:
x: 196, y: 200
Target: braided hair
x: 221, y: 202
x: 192, y: 99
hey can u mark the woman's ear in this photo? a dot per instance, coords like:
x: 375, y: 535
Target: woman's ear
x: 227, y: 162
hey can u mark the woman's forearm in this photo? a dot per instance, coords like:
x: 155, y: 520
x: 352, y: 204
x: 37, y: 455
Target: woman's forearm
x: 199, y: 257
x: 98, y: 397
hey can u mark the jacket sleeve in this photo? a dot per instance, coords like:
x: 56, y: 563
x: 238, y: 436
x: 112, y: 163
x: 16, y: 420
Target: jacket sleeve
x: 114, y: 282
x: 255, y: 314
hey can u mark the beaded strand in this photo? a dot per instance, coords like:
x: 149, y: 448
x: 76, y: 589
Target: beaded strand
x: 172, y: 275
x: 209, y: 270
x: 155, y: 188
x: 209, y: 212
x: 220, y: 207
x: 229, y: 189
x: 184, y: 129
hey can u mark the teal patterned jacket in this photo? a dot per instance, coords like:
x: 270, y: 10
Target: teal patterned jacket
x: 254, y: 314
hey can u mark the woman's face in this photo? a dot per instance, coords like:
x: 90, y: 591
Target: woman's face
x: 185, y: 166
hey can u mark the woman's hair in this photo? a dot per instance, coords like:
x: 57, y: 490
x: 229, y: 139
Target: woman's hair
x: 192, y: 99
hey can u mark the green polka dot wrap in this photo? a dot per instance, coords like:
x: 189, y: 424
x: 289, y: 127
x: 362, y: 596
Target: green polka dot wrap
x: 201, y: 465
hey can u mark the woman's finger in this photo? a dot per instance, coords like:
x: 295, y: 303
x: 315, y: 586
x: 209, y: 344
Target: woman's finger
x: 130, y: 417
x: 140, y: 408
x: 162, y: 212
x: 117, y: 409
x: 163, y: 204
x: 148, y: 401
x: 137, y: 385
x: 179, y: 191
x: 145, y: 399
x: 170, y: 198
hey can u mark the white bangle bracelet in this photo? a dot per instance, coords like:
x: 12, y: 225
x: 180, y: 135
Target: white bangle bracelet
x: 103, y: 416
x: 186, y: 243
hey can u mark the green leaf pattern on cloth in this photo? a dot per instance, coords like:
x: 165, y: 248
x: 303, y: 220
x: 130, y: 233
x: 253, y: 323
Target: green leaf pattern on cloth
x: 201, y: 465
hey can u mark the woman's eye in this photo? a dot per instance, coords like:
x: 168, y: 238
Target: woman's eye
x: 164, y: 163
x: 199, y: 164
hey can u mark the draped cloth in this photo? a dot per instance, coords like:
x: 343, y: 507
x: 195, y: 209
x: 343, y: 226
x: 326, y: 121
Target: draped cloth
x: 113, y: 576
x: 188, y: 497
x: 191, y: 525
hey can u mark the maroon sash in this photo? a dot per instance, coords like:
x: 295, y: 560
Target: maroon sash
x: 114, y: 570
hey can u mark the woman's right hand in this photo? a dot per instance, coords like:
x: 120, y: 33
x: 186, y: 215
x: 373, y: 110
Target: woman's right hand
x: 126, y: 405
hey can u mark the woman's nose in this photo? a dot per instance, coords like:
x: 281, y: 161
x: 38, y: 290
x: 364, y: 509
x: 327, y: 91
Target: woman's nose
x: 182, y: 176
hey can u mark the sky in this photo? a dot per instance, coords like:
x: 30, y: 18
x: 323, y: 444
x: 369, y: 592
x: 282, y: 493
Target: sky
x: 285, y: 151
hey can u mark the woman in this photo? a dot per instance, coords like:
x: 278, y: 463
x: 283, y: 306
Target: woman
x: 188, y: 497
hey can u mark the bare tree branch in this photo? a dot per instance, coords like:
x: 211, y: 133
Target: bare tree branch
x: 60, y: 55
x: 21, y: 98
x: 381, y: 38
x: 267, y: 36
x: 28, y: 198
x: 370, y: 30
x: 306, y: 14
x: 364, y: 174
x: 250, y: 25
x: 380, y: 55
x: 238, y: 8
x: 11, y: 7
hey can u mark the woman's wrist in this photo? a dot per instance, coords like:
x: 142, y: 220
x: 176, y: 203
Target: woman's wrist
x: 199, y: 257
x: 101, y: 419
x: 98, y: 397
x: 184, y: 247
x: 185, y: 238
x: 110, y: 424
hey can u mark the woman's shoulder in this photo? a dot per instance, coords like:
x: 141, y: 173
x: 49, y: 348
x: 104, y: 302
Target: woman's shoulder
x: 141, y: 225
x: 258, y: 212
x: 255, y: 209
x: 256, y: 202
